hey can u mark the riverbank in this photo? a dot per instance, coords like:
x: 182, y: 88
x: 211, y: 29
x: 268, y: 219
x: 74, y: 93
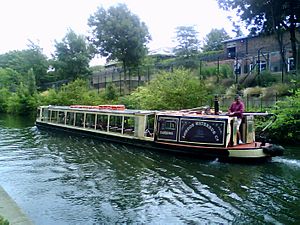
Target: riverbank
x: 11, y: 211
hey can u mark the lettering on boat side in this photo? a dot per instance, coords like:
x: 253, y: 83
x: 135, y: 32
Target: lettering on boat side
x: 166, y: 133
x: 202, y: 131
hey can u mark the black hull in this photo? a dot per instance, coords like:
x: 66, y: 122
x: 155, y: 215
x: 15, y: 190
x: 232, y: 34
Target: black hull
x: 203, y: 153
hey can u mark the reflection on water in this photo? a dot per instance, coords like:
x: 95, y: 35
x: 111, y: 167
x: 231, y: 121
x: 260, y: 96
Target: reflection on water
x: 61, y: 179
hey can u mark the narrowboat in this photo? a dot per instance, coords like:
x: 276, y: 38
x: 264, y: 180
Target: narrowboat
x: 195, y: 132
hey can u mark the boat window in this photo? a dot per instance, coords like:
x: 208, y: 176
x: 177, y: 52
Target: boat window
x: 54, y: 116
x: 90, y: 121
x: 169, y: 125
x: 115, y: 124
x: 149, y: 125
x: 102, y: 121
x: 70, y: 118
x: 45, y: 114
x: 79, y: 119
x: 38, y: 113
x: 129, y: 123
x: 61, y: 117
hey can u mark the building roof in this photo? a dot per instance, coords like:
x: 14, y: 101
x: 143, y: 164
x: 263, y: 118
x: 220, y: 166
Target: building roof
x: 235, y: 39
x: 162, y: 51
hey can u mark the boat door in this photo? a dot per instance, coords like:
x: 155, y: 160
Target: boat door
x: 167, y: 128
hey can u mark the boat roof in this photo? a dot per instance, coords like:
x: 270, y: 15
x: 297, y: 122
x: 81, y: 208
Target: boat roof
x: 187, y: 113
x: 126, y: 111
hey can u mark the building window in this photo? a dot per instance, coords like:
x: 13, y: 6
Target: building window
x: 245, y: 69
x: 231, y: 52
x: 251, y: 68
x: 291, y: 64
x: 237, y: 67
x: 262, y: 65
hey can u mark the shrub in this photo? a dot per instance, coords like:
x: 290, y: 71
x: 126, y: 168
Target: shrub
x: 76, y: 92
x: 266, y: 78
x: 22, y: 102
x: 169, y: 90
x: 3, y: 221
x: 287, y: 126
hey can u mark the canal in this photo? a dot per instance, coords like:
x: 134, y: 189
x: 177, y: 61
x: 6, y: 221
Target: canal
x: 61, y: 179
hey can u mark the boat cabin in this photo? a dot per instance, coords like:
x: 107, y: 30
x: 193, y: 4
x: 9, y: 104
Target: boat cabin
x: 110, y: 120
x: 194, y: 128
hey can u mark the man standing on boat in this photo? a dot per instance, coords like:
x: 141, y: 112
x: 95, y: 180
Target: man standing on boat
x: 236, y: 109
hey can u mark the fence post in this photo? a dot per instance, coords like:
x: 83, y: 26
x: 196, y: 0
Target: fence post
x: 261, y: 104
x: 218, y: 70
x: 200, y: 68
x: 120, y: 83
x: 247, y: 102
x: 129, y: 84
x: 98, y: 83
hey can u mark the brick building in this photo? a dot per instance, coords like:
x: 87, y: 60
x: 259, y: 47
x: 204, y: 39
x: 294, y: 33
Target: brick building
x: 259, y: 52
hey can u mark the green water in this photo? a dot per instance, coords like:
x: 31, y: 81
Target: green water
x: 57, y: 178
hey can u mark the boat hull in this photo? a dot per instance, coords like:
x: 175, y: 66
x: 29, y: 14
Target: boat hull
x: 244, y: 153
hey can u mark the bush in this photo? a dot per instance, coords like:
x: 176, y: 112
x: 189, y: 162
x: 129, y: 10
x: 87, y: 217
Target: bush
x: 287, y: 126
x: 169, y: 90
x: 3, y: 221
x: 22, y: 102
x: 74, y: 93
x: 4, y: 95
x: 266, y: 79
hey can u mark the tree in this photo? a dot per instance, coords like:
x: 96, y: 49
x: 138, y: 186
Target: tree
x: 213, y: 40
x: 188, y: 43
x: 30, y: 82
x: 72, y: 56
x: 272, y: 16
x: 25, y: 60
x: 10, y: 79
x: 119, y: 35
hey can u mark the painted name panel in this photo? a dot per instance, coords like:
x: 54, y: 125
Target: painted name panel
x: 167, y: 128
x: 208, y: 132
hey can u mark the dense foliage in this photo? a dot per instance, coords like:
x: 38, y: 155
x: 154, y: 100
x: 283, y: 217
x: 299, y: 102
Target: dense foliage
x: 24, y: 60
x: 169, y: 90
x: 74, y: 93
x: 119, y: 35
x: 3, y: 221
x: 18, y: 92
x: 287, y: 125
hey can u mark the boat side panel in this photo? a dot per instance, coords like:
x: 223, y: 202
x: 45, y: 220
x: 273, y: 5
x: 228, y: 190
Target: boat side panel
x: 145, y: 144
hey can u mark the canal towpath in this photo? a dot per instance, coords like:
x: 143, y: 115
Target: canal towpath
x: 10, y: 211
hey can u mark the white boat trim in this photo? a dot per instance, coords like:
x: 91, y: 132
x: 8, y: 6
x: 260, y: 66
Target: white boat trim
x: 247, y: 153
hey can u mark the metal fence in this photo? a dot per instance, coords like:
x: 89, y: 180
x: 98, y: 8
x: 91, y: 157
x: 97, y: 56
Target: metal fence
x: 252, y: 103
